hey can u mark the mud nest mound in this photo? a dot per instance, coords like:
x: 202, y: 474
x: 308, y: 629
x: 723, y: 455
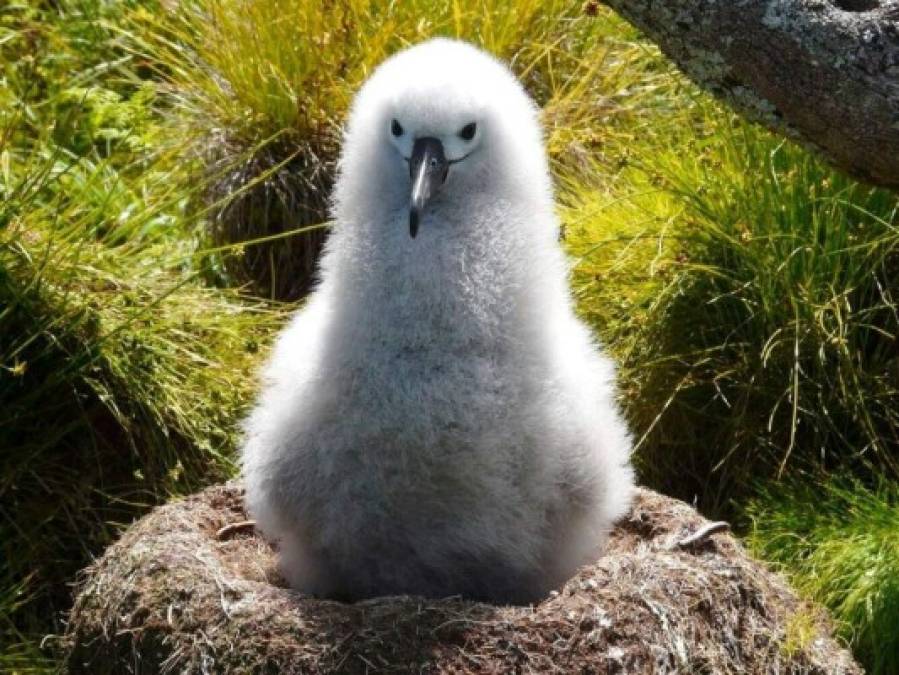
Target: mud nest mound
x: 187, y: 590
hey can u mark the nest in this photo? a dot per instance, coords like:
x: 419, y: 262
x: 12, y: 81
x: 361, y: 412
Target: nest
x: 187, y: 590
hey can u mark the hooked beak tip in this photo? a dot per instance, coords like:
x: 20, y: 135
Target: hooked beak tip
x: 428, y: 169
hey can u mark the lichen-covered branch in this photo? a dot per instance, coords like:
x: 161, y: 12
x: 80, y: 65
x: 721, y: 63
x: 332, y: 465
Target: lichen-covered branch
x: 823, y: 71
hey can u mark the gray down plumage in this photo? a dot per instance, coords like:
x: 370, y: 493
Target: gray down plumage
x: 436, y: 420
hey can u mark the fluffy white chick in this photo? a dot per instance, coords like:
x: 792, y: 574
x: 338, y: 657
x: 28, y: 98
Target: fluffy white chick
x: 436, y: 420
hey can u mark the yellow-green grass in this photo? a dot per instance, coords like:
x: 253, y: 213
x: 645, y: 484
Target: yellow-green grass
x: 748, y: 292
x: 262, y: 87
x: 122, y: 375
x: 255, y: 69
x: 838, y: 542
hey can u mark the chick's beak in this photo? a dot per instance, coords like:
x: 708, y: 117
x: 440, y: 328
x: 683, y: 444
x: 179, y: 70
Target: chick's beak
x: 428, y: 168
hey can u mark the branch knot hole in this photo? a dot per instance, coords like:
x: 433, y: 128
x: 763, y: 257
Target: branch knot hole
x: 857, y: 5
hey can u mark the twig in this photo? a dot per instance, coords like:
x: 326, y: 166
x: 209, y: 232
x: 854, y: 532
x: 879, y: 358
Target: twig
x: 231, y: 528
x: 703, y: 533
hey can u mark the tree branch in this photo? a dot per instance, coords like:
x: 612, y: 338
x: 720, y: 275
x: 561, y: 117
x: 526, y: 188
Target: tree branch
x: 824, y: 71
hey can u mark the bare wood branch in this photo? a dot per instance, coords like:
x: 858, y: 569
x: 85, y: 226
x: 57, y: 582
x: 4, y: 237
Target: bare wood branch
x: 703, y: 533
x: 233, y: 528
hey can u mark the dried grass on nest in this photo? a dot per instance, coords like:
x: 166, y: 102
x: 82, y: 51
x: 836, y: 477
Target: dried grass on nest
x: 263, y: 192
x: 171, y: 596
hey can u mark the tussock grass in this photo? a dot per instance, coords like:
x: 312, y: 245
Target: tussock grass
x: 262, y: 87
x: 749, y: 293
x: 838, y: 542
x: 19, y: 653
x: 121, y: 374
x: 259, y: 68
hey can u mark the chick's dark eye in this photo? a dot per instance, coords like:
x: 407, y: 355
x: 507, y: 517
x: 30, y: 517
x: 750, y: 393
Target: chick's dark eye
x: 467, y: 132
x: 395, y: 128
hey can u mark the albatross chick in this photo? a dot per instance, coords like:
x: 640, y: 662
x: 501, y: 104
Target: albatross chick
x: 436, y: 420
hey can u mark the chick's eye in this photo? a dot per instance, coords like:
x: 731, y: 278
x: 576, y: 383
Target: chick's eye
x: 395, y: 128
x: 467, y: 132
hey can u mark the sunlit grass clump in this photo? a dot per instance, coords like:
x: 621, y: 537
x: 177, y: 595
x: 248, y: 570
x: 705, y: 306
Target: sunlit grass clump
x: 750, y: 294
x: 121, y: 377
x: 262, y: 88
x: 838, y: 542
x: 259, y: 68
